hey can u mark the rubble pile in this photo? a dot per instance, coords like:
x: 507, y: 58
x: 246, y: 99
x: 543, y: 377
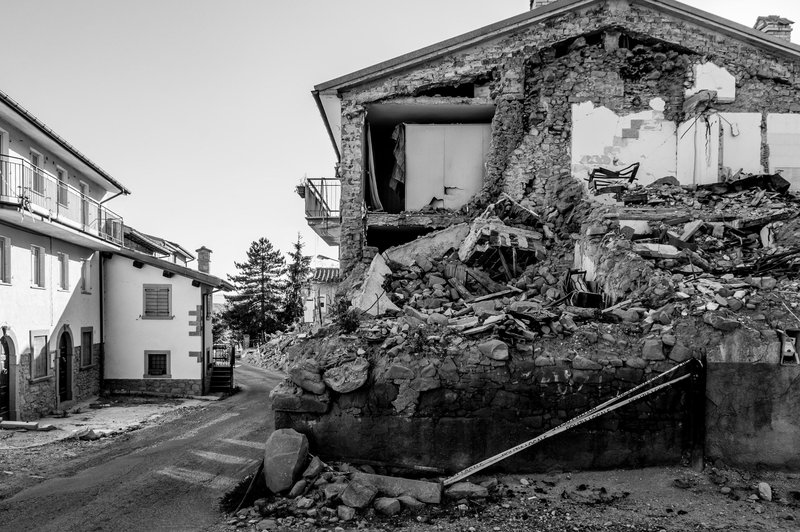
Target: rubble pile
x: 501, y: 329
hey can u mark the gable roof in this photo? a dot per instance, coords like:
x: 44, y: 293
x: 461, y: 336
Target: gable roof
x: 38, y: 124
x: 499, y: 29
x: 204, y: 278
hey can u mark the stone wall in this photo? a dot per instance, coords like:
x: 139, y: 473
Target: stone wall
x: 86, y: 379
x: 34, y: 399
x: 612, y: 54
x: 166, y: 387
x: 456, y: 409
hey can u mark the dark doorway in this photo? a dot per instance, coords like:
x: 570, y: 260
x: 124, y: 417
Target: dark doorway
x: 64, y: 367
x: 5, y: 392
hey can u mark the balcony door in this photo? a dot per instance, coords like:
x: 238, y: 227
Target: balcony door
x: 84, y: 206
x: 4, y: 164
x: 37, y: 179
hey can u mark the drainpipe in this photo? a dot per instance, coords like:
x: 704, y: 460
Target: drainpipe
x: 101, y: 361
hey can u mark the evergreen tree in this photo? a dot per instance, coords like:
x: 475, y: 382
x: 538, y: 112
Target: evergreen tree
x: 298, y: 272
x: 259, y: 283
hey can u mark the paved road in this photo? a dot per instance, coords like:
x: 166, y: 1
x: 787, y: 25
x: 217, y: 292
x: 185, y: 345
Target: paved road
x: 169, y: 477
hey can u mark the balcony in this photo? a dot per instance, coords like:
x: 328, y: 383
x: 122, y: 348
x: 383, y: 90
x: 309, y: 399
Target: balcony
x: 36, y: 191
x: 322, y: 197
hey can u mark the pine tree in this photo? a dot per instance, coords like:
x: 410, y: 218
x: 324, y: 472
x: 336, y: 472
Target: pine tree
x: 298, y: 272
x: 259, y: 283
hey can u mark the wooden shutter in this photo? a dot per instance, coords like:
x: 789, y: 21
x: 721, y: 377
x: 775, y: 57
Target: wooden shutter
x: 5, y: 260
x: 157, y: 301
x: 39, y: 356
x: 63, y: 271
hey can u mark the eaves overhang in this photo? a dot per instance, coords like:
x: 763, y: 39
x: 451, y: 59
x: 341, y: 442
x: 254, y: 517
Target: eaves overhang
x: 204, y: 278
x: 43, y: 128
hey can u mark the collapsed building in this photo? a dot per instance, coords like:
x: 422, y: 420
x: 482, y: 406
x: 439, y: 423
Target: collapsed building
x: 544, y: 212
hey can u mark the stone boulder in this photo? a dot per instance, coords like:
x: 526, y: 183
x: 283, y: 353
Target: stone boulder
x: 466, y: 490
x: 284, y: 458
x: 387, y: 506
x: 348, y: 377
x: 289, y: 397
x: 358, y: 494
x: 308, y: 377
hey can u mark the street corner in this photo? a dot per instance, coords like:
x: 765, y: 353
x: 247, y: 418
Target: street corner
x: 95, y: 419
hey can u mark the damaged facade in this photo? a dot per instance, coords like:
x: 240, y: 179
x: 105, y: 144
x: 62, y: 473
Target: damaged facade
x: 527, y: 106
x: 558, y: 280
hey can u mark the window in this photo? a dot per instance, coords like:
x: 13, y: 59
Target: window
x: 5, y: 259
x: 86, y: 276
x: 37, y: 184
x: 157, y: 301
x: 37, y: 266
x: 39, y: 359
x: 84, y: 204
x: 86, y: 346
x: 157, y: 364
x: 63, y: 271
x: 63, y: 198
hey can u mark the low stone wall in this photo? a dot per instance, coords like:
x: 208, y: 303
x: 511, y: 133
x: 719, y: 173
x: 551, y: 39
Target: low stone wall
x: 759, y: 424
x: 37, y: 398
x: 167, y: 387
x: 456, y: 410
x: 86, y: 379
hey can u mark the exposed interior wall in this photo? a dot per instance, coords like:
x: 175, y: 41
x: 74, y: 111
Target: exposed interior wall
x: 783, y: 138
x: 618, y: 58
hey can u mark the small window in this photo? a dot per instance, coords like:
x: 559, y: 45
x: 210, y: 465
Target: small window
x: 63, y: 271
x: 86, y: 276
x: 157, y: 301
x: 86, y: 346
x: 37, y: 266
x: 157, y: 364
x: 63, y: 197
x: 5, y: 259
x: 39, y: 365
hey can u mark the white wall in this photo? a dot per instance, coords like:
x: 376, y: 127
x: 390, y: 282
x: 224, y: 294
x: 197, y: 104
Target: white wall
x: 783, y: 136
x: 128, y: 336
x: 741, y: 142
x: 601, y: 138
x: 20, y: 144
x: 24, y: 308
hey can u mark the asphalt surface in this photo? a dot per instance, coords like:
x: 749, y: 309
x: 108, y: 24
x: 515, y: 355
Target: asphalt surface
x: 168, y: 477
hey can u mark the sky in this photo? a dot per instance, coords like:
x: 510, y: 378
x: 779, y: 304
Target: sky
x: 203, y: 109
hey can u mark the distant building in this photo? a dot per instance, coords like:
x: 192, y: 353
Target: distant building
x: 319, y: 294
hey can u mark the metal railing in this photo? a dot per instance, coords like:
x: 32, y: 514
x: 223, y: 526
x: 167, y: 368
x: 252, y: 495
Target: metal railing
x: 322, y: 198
x: 36, y: 190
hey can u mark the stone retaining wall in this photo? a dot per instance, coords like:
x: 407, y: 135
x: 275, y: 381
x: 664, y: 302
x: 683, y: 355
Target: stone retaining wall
x: 455, y: 410
x: 168, y: 387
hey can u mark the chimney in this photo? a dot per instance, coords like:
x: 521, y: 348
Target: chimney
x: 204, y: 259
x: 540, y: 3
x: 775, y: 26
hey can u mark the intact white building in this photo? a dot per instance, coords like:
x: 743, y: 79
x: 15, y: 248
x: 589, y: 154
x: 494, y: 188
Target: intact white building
x: 87, y: 303
x: 53, y: 225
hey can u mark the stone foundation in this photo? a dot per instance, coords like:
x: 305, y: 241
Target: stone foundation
x: 166, y: 387
x: 453, y: 411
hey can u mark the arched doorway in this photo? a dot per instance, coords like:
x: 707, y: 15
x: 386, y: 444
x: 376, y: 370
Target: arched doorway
x: 64, y: 367
x: 5, y: 381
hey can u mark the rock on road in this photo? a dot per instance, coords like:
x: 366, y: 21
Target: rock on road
x: 169, y: 477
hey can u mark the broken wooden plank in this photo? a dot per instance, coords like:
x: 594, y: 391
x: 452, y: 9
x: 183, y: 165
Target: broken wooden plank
x: 460, y: 288
x: 495, y: 295
x: 657, y: 251
x: 485, y: 281
x: 477, y: 330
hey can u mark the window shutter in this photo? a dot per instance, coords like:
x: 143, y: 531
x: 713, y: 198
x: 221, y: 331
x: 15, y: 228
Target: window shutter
x: 66, y: 271
x: 41, y: 266
x: 5, y: 267
x: 156, y: 301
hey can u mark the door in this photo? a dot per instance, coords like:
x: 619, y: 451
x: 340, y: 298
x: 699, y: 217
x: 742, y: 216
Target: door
x: 84, y: 206
x: 5, y: 395
x: 64, y: 368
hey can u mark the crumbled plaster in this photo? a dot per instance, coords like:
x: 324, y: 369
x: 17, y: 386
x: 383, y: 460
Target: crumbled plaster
x: 708, y: 76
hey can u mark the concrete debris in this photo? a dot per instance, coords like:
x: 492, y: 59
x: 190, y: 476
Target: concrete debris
x: 371, y: 298
x: 308, y: 377
x: 387, y: 506
x: 359, y: 494
x: 466, y: 490
x: 427, y: 492
x: 285, y: 457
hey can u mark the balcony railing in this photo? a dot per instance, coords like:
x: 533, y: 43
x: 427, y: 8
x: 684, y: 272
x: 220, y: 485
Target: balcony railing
x: 322, y: 197
x: 37, y: 190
